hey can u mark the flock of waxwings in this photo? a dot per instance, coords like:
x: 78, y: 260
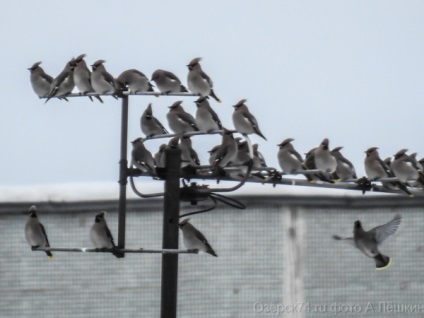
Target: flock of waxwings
x: 329, y: 165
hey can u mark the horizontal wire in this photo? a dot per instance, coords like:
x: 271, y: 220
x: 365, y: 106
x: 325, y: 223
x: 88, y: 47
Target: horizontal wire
x: 114, y: 250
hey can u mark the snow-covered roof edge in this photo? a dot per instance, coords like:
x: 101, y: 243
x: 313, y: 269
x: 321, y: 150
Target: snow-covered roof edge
x: 92, y: 191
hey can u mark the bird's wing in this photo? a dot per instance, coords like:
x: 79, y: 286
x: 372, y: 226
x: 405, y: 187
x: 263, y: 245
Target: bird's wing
x: 109, y: 78
x: 46, y: 77
x: 160, y: 125
x: 215, y: 118
x: 194, y: 156
x: 221, y: 153
x: 348, y: 240
x: 109, y: 235
x: 187, y: 118
x: 382, y: 232
x: 385, y: 167
x: 139, y: 73
x: 296, y: 154
x: 43, y: 230
x: 250, y: 118
x: 57, y: 82
x: 172, y: 76
x: 261, y: 159
x: 346, y: 161
x: 200, y: 236
x: 206, y: 78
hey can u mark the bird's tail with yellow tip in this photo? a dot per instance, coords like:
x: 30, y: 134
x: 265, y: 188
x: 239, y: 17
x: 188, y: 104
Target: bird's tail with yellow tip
x: 382, y: 261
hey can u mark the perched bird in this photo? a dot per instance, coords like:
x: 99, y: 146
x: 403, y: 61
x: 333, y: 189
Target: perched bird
x: 290, y: 160
x: 309, y: 164
x: 227, y: 151
x: 206, y: 118
x: 368, y: 242
x: 199, y: 82
x: 243, y: 156
x: 258, y: 158
x: 405, y: 170
x: 159, y: 157
x: 135, y: 81
x: 141, y: 158
x: 375, y: 169
x: 345, y: 169
x: 102, y: 81
x: 64, y: 83
x: 100, y: 235
x: 310, y: 159
x: 244, y: 121
x: 388, y: 161
x: 324, y: 160
x: 82, y: 77
x: 167, y: 82
x: 35, y: 233
x: 150, y: 125
x: 40, y: 81
x: 193, y: 239
x: 212, y: 154
x: 188, y: 154
x: 416, y: 163
x: 179, y: 120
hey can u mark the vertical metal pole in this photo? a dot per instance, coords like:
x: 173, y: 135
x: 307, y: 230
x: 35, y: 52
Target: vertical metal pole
x: 123, y: 173
x: 171, y: 211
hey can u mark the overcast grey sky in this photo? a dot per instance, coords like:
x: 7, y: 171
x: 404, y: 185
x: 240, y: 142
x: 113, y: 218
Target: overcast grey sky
x: 350, y: 70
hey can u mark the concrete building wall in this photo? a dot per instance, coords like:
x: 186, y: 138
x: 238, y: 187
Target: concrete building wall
x: 276, y: 256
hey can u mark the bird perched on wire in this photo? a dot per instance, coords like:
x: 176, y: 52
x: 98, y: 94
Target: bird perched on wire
x: 244, y: 122
x: 416, y: 163
x: 150, y: 125
x: 179, y: 120
x: 258, y: 158
x: 134, y: 81
x: 406, y: 170
x: 212, y: 154
x: 102, y: 81
x: 64, y: 83
x: 188, y: 154
x: 375, y: 169
x: 82, y: 77
x: 193, y: 239
x: 198, y: 81
x: 310, y: 165
x: 227, y: 151
x: 368, y: 242
x: 35, y: 232
x: 243, y: 156
x: 168, y: 82
x: 290, y: 160
x: 100, y: 235
x: 40, y: 80
x: 159, y: 156
x: 141, y: 158
x: 324, y: 160
x: 344, y: 169
x: 206, y: 118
